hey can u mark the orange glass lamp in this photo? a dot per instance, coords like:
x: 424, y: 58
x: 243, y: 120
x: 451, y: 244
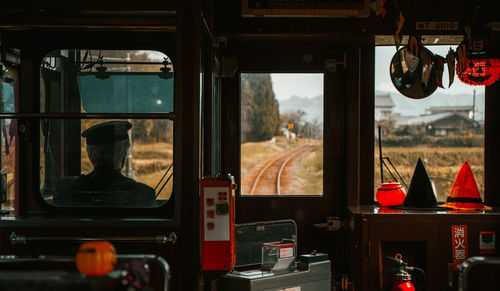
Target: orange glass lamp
x: 96, y: 258
x: 391, y: 194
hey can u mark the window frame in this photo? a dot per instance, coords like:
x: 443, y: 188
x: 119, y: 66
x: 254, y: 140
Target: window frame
x: 14, y: 68
x: 491, y: 139
x: 80, y: 116
x: 28, y: 114
x: 238, y: 76
x: 290, y: 59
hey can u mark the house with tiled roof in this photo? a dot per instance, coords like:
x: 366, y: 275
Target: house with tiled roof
x: 439, y: 124
x: 383, y: 106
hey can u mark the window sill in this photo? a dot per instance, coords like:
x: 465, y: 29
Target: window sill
x: 378, y: 210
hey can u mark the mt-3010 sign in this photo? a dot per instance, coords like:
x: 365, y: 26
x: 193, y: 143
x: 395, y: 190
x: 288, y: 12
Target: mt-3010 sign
x: 436, y: 25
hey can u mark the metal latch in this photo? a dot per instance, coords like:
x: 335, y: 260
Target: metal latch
x: 335, y: 223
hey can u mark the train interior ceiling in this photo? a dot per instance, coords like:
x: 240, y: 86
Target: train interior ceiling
x: 249, y: 145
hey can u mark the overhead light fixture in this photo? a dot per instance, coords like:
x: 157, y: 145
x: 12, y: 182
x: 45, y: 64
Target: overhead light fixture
x: 101, y: 73
x: 101, y: 70
x: 166, y: 71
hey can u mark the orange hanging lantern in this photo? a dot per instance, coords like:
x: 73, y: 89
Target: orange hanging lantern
x: 391, y: 194
x: 96, y: 258
x: 478, y: 71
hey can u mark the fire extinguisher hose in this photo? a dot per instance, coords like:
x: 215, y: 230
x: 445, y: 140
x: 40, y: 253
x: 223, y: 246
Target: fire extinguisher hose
x: 422, y: 272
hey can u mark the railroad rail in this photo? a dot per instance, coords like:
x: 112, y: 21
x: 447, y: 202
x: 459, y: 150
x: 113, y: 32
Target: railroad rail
x: 279, y: 162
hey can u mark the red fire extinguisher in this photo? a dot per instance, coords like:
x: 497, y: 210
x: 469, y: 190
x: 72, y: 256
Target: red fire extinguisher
x: 403, y: 277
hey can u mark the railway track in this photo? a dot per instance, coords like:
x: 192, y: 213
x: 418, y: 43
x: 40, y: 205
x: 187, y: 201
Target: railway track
x: 268, y: 178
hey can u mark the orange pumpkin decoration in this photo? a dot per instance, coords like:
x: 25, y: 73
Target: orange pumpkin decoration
x: 478, y: 72
x: 390, y: 194
x: 96, y: 258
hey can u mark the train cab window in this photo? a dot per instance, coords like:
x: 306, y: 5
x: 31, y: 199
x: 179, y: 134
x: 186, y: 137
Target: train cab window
x: 107, y: 139
x: 281, y: 134
x: 8, y: 129
x: 444, y: 129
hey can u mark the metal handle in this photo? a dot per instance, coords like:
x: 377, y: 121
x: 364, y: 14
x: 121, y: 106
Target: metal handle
x: 65, y: 259
x: 16, y: 239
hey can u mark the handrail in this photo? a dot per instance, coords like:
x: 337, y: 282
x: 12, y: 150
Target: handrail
x: 77, y: 115
x: 16, y: 239
x: 66, y: 259
x: 465, y: 267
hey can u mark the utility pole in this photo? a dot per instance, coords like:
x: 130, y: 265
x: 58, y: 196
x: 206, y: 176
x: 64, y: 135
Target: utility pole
x: 473, y: 104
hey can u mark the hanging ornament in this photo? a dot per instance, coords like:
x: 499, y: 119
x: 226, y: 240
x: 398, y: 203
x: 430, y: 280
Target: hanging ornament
x: 479, y: 71
x: 450, y: 62
x: 461, y: 59
x: 474, y: 65
x: 397, y: 34
x: 414, y: 45
x: 378, y: 7
x: 478, y: 62
x: 439, y: 63
x: 426, y: 61
x: 412, y: 75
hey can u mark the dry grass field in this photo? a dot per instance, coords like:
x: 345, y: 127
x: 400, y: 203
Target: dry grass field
x: 442, y: 165
x: 150, y: 162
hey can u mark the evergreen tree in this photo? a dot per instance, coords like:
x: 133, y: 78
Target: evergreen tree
x: 260, y: 110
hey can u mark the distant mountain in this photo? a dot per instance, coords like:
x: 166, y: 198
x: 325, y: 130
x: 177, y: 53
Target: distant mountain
x: 405, y: 106
x: 411, y: 107
x: 313, y: 107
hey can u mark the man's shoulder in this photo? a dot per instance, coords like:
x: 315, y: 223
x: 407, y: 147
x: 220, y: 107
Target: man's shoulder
x: 70, y: 180
x: 67, y: 185
x: 139, y: 186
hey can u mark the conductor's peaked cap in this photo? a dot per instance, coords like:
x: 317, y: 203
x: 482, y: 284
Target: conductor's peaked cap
x: 107, y: 132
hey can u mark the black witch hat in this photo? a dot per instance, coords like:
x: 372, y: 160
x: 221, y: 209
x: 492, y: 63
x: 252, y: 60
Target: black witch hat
x: 421, y: 193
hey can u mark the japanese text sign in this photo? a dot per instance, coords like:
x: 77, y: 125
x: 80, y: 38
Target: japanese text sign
x: 216, y: 227
x: 460, y: 249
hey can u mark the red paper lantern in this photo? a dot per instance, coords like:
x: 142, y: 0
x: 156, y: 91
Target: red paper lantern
x: 96, y: 258
x: 478, y: 71
x: 391, y: 194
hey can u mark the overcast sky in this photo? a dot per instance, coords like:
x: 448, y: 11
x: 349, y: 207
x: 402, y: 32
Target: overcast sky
x: 302, y: 85
x: 311, y: 85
